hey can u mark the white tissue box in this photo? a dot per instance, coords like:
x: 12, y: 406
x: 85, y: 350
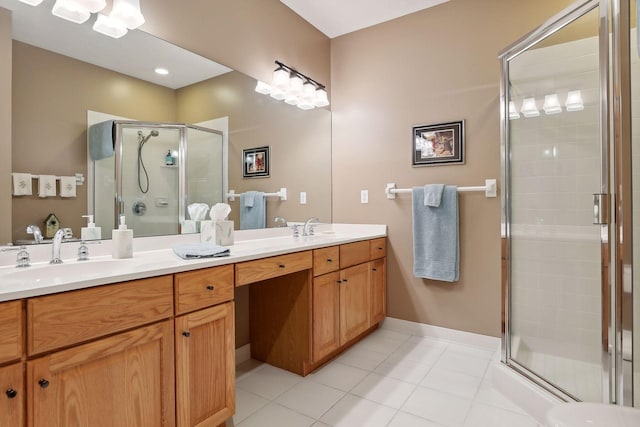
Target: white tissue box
x: 224, y: 233
x: 207, y: 232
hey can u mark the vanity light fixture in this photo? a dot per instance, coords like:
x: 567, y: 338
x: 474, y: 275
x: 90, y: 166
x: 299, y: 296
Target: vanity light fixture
x: 574, y: 101
x: 109, y: 26
x: 513, y: 113
x: 125, y: 14
x: 294, y: 88
x: 31, y: 2
x: 529, y: 108
x: 71, y: 11
x: 552, y: 104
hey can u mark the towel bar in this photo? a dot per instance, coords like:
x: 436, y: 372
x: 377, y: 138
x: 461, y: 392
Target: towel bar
x: 79, y: 178
x: 282, y: 194
x: 490, y: 189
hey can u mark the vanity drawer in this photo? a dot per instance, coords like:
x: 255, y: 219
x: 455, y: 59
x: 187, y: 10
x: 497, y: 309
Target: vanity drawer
x: 354, y: 253
x: 262, y: 269
x: 203, y: 288
x: 378, y: 248
x: 69, y: 318
x: 10, y: 331
x: 326, y: 260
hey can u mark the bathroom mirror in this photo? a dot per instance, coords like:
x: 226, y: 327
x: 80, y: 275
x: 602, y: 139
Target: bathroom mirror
x: 53, y: 92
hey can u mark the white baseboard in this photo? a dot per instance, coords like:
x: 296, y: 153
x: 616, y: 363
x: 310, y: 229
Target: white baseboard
x: 461, y: 337
x: 243, y: 353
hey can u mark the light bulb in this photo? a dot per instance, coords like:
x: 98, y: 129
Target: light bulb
x: 574, y: 101
x: 70, y: 11
x: 109, y: 27
x: 551, y: 104
x: 513, y: 113
x: 529, y: 108
x: 128, y: 13
x: 280, y: 79
x: 321, y: 99
x: 262, y: 87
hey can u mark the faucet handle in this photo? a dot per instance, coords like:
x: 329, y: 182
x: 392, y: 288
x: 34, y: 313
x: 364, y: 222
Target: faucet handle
x: 296, y: 232
x: 312, y: 228
x: 23, y: 259
x: 83, y: 251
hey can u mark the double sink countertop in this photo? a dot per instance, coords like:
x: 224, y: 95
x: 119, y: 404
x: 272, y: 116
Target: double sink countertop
x: 153, y: 256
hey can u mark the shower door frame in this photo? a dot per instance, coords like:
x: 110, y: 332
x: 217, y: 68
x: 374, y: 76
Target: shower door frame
x: 612, y: 237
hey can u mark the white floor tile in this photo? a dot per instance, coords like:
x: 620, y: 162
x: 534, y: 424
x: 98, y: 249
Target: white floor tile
x: 380, y: 343
x: 384, y: 390
x: 403, y: 419
x: 246, y: 404
x: 471, y: 351
x: 437, y: 406
x: 457, y: 383
x: 490, y: 396
x: 338, y: 375
x: 488, y: 416
x: 392, y: 335
x: 422, y: 350
x: 274, y: 415
x: 353, y: 411
x: 268, y: 382
x: 310, y: 398
x: 464, y: 363
x: 405, y: 370
x: 361, y: 358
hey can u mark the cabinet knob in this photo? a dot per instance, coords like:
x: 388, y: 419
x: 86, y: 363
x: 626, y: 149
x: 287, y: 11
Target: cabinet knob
x: 281, y: 265
x: 329, y: 260
x: 374, y: 269
x: 43, y: 383
x: 11, y: 393
x: 379, y: 249
x: 338, y: 281
x: 186, y: 334
x: 345, y: 280
x: 210, y: 287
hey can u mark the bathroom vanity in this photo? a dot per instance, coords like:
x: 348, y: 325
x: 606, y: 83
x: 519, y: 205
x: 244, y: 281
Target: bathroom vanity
x: 150, y: 341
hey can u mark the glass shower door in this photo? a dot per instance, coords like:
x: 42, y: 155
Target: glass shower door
x: 554, y: 164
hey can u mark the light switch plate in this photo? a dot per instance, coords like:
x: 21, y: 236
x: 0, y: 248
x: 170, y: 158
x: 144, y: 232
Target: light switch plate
x: 364, y: 196
x: 303, y: 197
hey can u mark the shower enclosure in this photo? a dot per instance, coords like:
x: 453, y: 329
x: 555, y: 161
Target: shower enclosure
x: 158, y: 170
x: 569, y: 99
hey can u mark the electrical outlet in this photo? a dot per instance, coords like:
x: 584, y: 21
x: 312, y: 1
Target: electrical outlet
x: 303, y: 197
x: 364, y: 196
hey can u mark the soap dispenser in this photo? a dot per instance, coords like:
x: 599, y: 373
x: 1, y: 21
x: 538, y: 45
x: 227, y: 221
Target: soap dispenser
x: 168, y: 159
x: 122, y: 241
x: 90, y: 232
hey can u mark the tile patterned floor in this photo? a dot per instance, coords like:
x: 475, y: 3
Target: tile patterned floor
x: 388, y: 379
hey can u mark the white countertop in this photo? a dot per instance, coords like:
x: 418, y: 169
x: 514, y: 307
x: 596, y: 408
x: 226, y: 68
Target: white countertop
x: 153, y: 256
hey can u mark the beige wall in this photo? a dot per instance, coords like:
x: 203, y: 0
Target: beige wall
x: 50, y: 127
x: 433, y: 66
x: 245, y: 35
x: 5, y: 125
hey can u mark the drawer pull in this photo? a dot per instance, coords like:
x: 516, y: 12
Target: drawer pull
x: 281, y: 265
x: 211, y: 287
x: 186, y: 334
x: 345, y: 280
x: 11, y: 393
x: 329, y: 260
x: 379, y: 249
x: 338, y: 281
x: 374, y: 269
x: 43, y: 383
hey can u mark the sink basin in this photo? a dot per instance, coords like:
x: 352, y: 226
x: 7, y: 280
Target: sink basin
x: 45, y: 272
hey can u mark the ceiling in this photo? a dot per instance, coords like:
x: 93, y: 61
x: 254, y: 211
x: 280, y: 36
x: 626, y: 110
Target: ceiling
x: 136, y: 54
x: 337, y: 17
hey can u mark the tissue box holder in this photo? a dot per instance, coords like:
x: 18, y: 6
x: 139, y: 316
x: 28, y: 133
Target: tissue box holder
x: 224, y: 233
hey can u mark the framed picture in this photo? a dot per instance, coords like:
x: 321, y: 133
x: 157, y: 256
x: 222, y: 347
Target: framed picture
x: 438, y: 144
x: 255, y: 162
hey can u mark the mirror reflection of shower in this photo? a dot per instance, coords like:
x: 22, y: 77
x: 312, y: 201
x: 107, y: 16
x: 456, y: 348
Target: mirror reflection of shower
x: 142, y: 140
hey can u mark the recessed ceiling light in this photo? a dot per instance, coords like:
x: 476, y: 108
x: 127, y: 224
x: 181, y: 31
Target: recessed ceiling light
x: 162, y: 71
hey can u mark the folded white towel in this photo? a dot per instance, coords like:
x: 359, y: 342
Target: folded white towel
x: 21, y: 184
x: 46, y: 186
x: 67, y: 186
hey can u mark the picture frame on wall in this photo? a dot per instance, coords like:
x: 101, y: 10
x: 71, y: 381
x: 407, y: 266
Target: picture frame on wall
x: 255, y: 162
x: 438, y: 144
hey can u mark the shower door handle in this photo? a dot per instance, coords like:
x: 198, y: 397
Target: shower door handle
x: 600, y: 208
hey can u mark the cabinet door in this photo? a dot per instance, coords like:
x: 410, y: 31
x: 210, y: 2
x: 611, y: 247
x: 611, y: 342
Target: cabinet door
x: 378, y: 284
x: 10, y: 331
x: 12, y: 398
x: 354, y: 301
x: 205, y: 366
x: 123, y: 380
x: 326, y: 315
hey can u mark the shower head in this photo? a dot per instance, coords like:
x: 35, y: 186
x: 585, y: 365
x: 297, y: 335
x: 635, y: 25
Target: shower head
x: 143, y: 139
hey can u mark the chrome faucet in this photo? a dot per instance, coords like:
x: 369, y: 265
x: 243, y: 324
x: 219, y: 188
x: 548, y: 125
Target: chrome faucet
x: 57, y: 243
x: 307, y: 230
x: 281, y: 220
x: 37, y: 234
x: 23, y: 259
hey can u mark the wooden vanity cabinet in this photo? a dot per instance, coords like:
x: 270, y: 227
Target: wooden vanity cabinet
x: 11, y: 336
x: 12, y: 400
x: 348, y: 302
x: 205, y: 347
x: 122, y: 380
